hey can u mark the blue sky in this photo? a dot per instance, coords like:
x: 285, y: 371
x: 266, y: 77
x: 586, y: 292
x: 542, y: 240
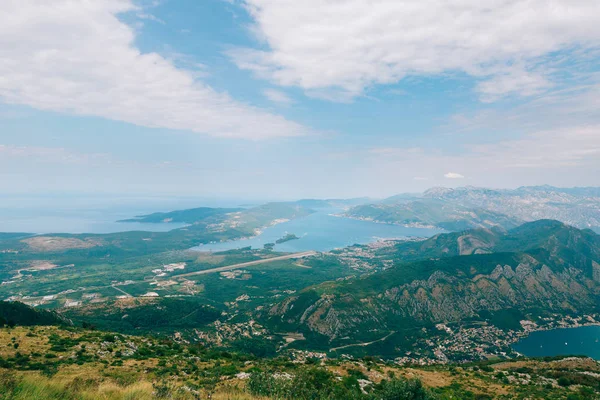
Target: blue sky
x: 285, y: 99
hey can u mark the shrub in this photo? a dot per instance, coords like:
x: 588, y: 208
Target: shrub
x: 318, y: 383
x: 399, y: 389
x: 162, y: 390
x: 564, y: 381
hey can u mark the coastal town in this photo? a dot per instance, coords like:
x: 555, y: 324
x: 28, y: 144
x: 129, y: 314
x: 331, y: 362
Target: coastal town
x: 467, y: 344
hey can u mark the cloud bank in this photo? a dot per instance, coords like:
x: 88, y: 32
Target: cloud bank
x: 336, y: 49
x: 453, y: 175
x: 76, y: 56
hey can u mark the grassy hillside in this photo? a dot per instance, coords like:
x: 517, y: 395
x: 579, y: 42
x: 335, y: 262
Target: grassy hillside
x: 51, y: 363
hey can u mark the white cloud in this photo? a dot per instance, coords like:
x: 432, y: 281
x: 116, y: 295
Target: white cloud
x: 513, y: 81
x: 453, y: 175
x: 348, y: 45
x: 77, y: 57
x: 277, y: 96
x: 150, y: 17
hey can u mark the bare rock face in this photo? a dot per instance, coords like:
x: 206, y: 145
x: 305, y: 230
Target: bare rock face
x: 443, y: 298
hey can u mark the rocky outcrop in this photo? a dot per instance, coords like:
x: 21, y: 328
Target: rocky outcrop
x: 446, y: 298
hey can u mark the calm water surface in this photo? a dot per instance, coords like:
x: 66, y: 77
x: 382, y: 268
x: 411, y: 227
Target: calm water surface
x: 583, y: 341
x: 322, y: 231
x: 55, y: 213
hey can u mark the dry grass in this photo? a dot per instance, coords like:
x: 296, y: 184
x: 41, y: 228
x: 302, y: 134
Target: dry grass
x: 86, y: 386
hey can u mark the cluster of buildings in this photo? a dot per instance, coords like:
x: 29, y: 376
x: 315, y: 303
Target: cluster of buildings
x: 466, y: 344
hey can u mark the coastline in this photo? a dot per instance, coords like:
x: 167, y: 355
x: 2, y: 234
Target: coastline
x: 415, y: 225
x: 524, y: 334
x: 256, y: 233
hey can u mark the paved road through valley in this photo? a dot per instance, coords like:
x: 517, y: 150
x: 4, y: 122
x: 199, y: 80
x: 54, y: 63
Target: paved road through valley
x: 247, y: 264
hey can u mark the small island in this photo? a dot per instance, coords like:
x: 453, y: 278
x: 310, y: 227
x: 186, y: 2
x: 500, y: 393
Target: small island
x: 287, y: 238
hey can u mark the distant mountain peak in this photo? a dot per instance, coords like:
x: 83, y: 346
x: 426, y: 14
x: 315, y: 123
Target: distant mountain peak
x: 437, y: 191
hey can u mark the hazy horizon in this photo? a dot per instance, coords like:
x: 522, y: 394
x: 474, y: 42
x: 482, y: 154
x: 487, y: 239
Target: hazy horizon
x: 92, y: 199
x: 88, y: 199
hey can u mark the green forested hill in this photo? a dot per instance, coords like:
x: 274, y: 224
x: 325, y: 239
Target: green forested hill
x: 189, y: 216
x: 15, y: 313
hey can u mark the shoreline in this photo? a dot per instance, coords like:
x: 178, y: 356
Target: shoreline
x: 417, y: 226
x: 257, y: 232
x: 527, y: 334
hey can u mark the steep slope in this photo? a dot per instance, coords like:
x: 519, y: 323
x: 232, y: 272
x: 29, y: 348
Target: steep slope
x: 474, y: 241
x: 551, y: 236
x: 15, y: 313
x: 542, y: 267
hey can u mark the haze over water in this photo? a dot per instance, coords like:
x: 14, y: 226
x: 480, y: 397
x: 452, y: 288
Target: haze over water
x: 78, y: 214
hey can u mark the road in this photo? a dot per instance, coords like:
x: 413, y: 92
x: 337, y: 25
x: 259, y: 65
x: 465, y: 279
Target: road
x: 362, y: 344
x: 120, y: 290
x: 247, y: 264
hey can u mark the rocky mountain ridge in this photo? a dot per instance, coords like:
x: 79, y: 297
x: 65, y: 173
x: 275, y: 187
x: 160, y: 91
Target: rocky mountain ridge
x: 468, y: 207
x: 542, y: 267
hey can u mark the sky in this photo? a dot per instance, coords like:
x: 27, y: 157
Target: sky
x: 285, y: 99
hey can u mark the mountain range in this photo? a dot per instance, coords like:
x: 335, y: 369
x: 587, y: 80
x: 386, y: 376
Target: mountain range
x: 469, y: 207
x: 539, y: 268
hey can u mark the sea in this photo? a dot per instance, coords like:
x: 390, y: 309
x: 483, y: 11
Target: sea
x: 582, y: 341
x: 323, y: 231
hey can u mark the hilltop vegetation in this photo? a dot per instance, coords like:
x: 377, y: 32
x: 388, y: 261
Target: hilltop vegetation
x: 15, y: 313
x: 190, y: 216
x: 51, y: 363
x: 146, y: 315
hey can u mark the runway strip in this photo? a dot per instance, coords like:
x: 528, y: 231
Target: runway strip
x: 247, y: 264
